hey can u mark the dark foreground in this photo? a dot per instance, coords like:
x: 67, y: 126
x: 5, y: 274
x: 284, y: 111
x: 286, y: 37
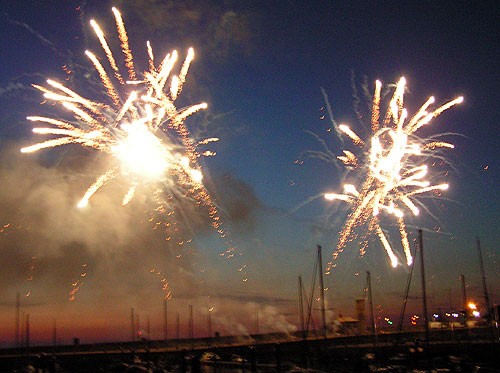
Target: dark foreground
x: 474, y: 351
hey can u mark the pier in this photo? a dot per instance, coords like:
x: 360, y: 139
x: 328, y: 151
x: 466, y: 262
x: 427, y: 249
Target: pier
x: 273, y: 352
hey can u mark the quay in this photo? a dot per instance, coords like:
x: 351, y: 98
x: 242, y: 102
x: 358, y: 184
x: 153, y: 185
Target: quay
x: 273, y: 352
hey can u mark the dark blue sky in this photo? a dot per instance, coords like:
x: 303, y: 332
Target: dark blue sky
x: 260, y: 66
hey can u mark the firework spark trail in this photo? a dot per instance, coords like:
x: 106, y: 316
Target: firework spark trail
x: 393, y: 167
x: 164, y: 283
x: 129, y: 59
x: 141, y: 127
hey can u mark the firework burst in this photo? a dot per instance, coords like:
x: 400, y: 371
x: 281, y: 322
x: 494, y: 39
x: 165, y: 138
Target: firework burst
x: 393, y: 168
x: 140, y: 125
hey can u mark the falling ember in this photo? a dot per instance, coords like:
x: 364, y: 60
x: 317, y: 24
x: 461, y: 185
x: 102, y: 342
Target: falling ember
x: 394, y: 172
x: 140, y: 126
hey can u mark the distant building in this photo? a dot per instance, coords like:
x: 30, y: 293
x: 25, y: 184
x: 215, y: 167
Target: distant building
x: 346, y: 325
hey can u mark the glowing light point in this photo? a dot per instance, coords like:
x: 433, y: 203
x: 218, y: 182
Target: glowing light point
x: 351, y: 189
x: 197, y: 176
x: 83, y: 203
x: 194, y: 174
x: 344, y: 128
x: 333, y: 197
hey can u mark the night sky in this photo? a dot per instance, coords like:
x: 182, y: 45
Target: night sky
x: 260, y: 66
